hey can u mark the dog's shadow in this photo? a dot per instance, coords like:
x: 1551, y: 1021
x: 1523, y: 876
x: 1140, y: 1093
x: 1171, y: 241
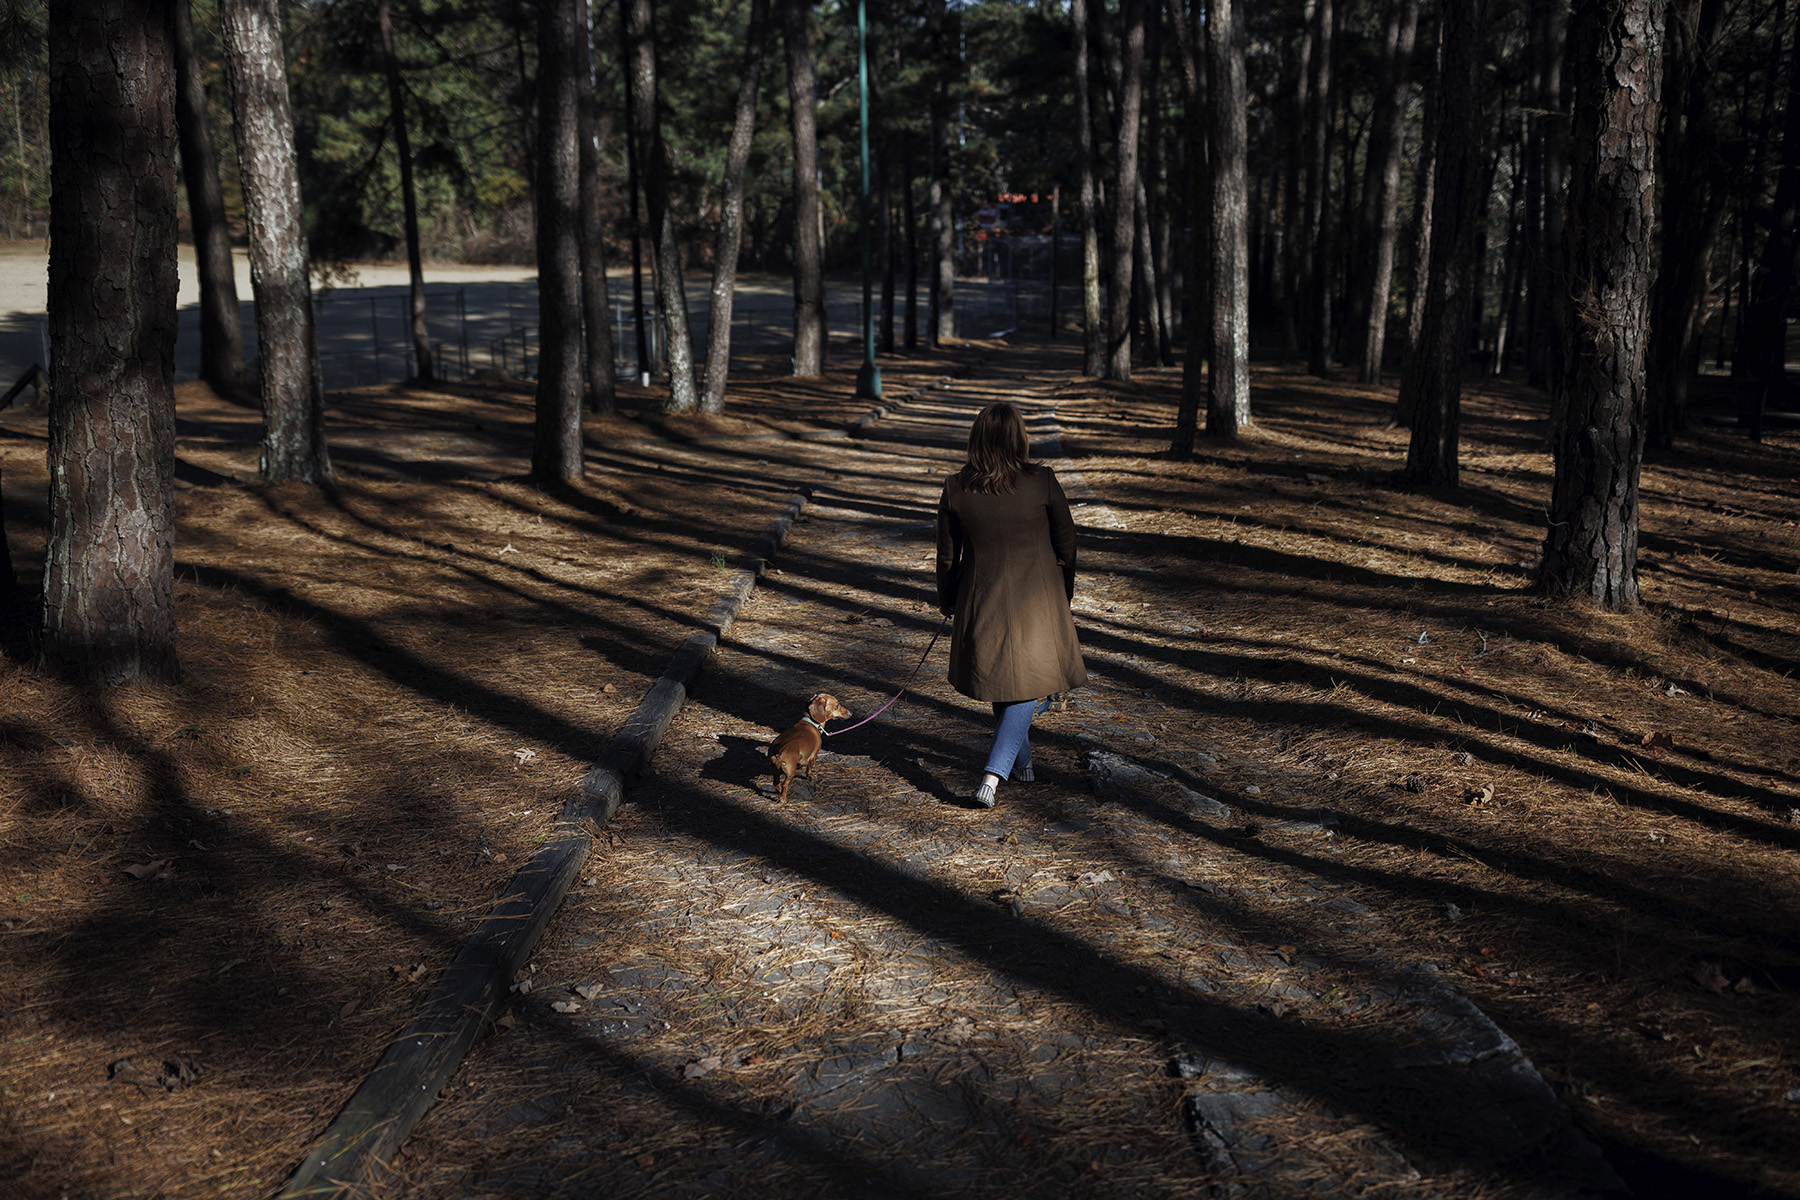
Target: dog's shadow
x: 743, y: 763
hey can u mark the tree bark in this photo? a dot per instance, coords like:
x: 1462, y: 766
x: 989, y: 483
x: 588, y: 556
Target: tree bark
x: 599, y: 357
x: 1131, y: 96
x: 1190, y: 47
x: 556, y: 455
x: 109, y: 583
x: 911, y: 337
x: 731, y: 213
x: 1296, y: 237
x: 671, y: 294
x: 1381, y: 191
x: 1424, y: 200
x: 1615, y: 57
x: 1093, y: 358
x: 1544, y: 349
x: 1434, y: 373
x: 1318, y: 247
x: 1153, y: 183
x: 634, y: 185
x: 943, y: 215
x: 809, y: 249
x: 1763, y: 342
x: 294, y: 446
x: 1693, y: 210
x: 409, y: 201
x: 221, y: 328
x: 1228, y: 379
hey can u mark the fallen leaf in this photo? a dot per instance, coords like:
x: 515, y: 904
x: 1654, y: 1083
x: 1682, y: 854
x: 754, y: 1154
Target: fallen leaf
x: 699, y: 1068
x: 505, y: 1020
x: 611, y: 687
x: 645, y: 1160
x: 159, y: 869
x: 564, y: 1006
x: 349, y: 1006
x: 177, y: 1072
x: 589, y: 991
x: 1657, y: 741
x: 524, y: 754
x: 1091, y: 878
x: 1475, y: 799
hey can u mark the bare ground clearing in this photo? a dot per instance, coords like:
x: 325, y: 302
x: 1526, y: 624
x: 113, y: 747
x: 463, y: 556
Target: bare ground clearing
x: 1586, y: 822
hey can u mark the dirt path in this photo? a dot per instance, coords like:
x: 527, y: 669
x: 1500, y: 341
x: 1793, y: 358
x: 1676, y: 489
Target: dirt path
x: 877, y: 990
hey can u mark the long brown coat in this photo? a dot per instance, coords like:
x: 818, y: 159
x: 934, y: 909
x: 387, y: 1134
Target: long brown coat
x: 1006, y: 567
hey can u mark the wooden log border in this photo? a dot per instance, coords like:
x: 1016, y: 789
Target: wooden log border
x: 353, y: 1152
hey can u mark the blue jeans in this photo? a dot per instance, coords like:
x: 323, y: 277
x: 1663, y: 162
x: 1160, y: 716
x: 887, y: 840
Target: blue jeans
x: 1012, y: 736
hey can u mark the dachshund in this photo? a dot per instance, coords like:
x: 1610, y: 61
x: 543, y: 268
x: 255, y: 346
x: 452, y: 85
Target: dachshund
x: 796, y: 749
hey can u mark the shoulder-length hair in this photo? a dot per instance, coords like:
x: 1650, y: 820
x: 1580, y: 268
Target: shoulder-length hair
x: 998, y: 451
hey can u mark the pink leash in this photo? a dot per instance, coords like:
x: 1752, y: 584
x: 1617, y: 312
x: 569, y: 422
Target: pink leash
x: 902, y: 691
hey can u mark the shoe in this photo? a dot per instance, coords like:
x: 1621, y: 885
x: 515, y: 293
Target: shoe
x: 1024, y: 775
x: 983, y: 795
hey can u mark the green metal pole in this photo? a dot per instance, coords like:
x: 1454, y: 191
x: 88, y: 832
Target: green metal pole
x: 868, y: 378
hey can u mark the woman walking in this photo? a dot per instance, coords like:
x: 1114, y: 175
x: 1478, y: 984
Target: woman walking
x: 1006, y: 572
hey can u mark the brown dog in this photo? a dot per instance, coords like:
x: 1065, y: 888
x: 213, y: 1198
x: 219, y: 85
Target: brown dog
x: 796, y: 749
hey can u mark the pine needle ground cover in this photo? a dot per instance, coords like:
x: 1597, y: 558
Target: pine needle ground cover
x: 219, y: 900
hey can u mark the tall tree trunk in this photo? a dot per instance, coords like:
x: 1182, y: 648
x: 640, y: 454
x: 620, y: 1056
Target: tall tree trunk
x: 1693, y: 209
x: 911, y: 338
x: 599, y: 358
x: 1318, y: 192
x: 293, y: 397
x: 1381, y: 191
x: 1154, y: 186
x: 1615, y: 56
x: 885, y: 175
x: 1763, y: 341
x: 1434, y: 372
x: 671, y: 294
x: 556, y: 432
x: 1545, y: 360
x: 1296, y: 236
x: 731, y: 213
x: 809, y: 249
x: 1190, y: 47
x: 943, y: 213
x: 221, y: 329
x: 1424, y: 201
x: 409, y: 201
x: 1148, y: 284
x: 1131, y: 95
x: 634, y: 185
x: 109, y: 583
x: 1093, y: 358
x: 1228, y: 380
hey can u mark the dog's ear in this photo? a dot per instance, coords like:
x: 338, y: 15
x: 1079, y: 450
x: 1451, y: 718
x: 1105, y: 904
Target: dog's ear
x: 817, y: 697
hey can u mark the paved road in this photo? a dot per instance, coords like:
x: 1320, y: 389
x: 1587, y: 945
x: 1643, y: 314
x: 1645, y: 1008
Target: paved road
x: 475, y: 315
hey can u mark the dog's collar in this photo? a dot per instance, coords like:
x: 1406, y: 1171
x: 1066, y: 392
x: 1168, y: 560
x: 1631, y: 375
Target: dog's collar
x: 814, y: 724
